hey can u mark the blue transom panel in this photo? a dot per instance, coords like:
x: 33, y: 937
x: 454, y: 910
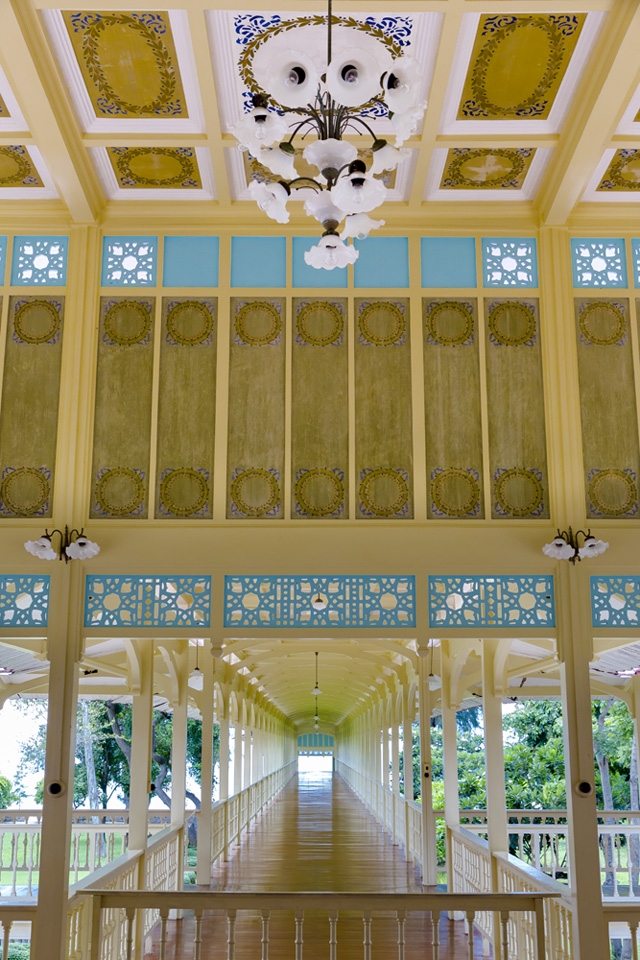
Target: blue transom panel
x: 615, y: 601
x: 24, y: 601
x: 289, y: 601
x: 147, y: 602
x: 315, y: 740
x: 491, y: 602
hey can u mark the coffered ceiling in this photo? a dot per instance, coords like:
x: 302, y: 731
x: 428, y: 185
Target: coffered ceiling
x: 120, y: 110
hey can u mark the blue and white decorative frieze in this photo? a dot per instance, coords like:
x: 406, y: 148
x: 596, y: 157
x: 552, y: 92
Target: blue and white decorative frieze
x: 315, y: 740
x: 24, y: 601
x: 129, y: 261
x: 293, y: 601
x: 39, y: 261
x: 615, y: 601
x: 491, y: 602
x: 147, y: 602
x: 635, y: 255
x: 509, y: 262
x: 598, y: 263
x: 3, y: 257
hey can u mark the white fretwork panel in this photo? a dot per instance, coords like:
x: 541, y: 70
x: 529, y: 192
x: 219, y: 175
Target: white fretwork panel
x: 296, y: 601
x: 491, y: 601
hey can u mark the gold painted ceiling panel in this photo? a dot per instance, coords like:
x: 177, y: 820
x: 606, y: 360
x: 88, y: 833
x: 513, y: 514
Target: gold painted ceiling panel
x: 128, y: 63
x: 623, y: 173
x: 167, y: 168
x: 17, y: 169
x: 4, y: 112
x: 517, y: 65
x: 486, y: 168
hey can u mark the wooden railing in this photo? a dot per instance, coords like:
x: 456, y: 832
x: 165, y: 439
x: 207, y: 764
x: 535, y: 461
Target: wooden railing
x: 17, y: 923
x: 623, y: 921
x: 291, y: 907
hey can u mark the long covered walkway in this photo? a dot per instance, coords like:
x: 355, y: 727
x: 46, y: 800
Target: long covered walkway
x: 315, y: 837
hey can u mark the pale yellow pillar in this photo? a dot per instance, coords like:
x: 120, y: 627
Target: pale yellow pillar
x: 429, y: 849
x: 237, y: 758
x: 493, y: 752
x: 449, y: 753
x: 64, y: 639
x: 140, y: 781
x: 179, y: 738
x: 203, y: 869
x: 576, y: 651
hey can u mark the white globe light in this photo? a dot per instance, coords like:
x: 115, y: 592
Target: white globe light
x: 358, y: 193
x: 291, y: 80
x: 272, y: 198
x: 41, y: 548
x: 330, y: 252
x: 82, y: 549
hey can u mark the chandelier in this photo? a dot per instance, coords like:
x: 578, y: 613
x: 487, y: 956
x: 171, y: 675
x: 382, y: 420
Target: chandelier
x: 298, y: 92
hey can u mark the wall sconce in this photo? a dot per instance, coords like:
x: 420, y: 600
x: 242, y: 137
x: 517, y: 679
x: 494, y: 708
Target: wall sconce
x: 566, y: 546
x: 73, y: 546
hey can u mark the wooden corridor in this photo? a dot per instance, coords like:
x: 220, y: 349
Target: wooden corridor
x: 315, y: 837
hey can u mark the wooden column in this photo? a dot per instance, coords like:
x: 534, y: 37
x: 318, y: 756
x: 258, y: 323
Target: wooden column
x: 140, y: 782
x: 493, y: 753
x: 429, y: 851
x: 449, y: 753
x: 203, y: 869
x: 179, y: 739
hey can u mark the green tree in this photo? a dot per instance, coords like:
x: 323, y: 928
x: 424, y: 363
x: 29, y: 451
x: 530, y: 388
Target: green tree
x: 8, y: 795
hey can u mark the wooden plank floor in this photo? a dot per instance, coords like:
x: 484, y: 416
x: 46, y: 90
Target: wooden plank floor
x: 315, y: 836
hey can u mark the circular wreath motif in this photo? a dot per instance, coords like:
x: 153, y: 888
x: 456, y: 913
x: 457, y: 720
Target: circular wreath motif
x: 302, y: 494
x: 272, y: 500
x: 504, y: 312
x: 185, y: 160
x: 620, y: 480
x: 619, y: 174
x: 177, y: 315
x: 502, y: 497
x: 591, y: 318
x: 451, y: 339
x: 10, y: 490
x: 316, y: 339
x: 366, y: 492
x: 254, y: 339
x: 24, y: 170
x: 397, y: 319
x: 36, y: 311
x: 168, y: 80
x: 197, y: 483
x: 455, y: 171
x: 530, y: 105
x: 142, y: 314
x: 135, y: 483
x: 439, y: 492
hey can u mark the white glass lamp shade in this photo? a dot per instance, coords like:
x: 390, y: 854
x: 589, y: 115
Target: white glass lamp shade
x: 272, y: 198
x: 592, y: 548
x: 290, y: 77
x: 559, y: 549
x: 403, y: 85
x: 360, y: 225
x: 330, y: 252
x: 278, y: 162
x: 82, y: 549
x: 330, y: 153
x: 260, y: 128
x: 41, y: 548
x: 322, y: 207
x: 358, y: 193
x: 387, y: 158
x: 405, y: 124
x: 353, y: 78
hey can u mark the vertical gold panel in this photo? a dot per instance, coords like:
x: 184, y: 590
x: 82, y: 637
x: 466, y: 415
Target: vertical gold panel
x: 256, y: 408
x: 453, y: 420
x: 121, y: 440
x: 607, y: 405
x: 29, y: 415
x: 320, y: 414
x: 186, y: 407
x: 384, y: 442
x: 517, y: 442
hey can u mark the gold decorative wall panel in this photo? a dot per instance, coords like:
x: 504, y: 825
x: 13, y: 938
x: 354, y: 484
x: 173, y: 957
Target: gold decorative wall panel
x: 186, y: 410
x: 128, y: 63
x: 320, y: 409
x: 608, y: 407
x: 122, y: 431
x: 29, y: 413
x: 255, y: 452
x: 452, y: 408
x: 517, y: 442
x: 517, y: 65
x: 384, y: 442
x: 623, y: 172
